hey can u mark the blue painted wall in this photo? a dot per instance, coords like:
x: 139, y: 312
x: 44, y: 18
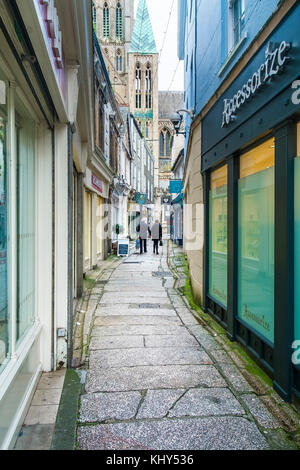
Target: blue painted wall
x: 202, y: 43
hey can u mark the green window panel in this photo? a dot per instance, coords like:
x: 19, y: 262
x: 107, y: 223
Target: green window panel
x: 218, y: 236
x: 256, y: 240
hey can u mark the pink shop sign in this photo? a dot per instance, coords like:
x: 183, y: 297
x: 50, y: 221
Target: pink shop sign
x: 97, y: 184
x: 53, y: 40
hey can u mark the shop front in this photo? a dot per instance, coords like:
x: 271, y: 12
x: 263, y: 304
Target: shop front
x: 251, y: 173
x: 95, y: 219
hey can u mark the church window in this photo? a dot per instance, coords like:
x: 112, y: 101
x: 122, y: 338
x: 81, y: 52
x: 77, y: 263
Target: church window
x: 165, y: 143
x: 148, y: 87
x: 162, y: 144
x: 119, y: 61
x: 95, y: 19
x: 105, y: 20
x: 138, y: 86
x: 119, y: 22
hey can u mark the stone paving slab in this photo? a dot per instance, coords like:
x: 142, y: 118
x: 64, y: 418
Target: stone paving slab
x: 142, y: 378
x: 236, y: 378
x: 116, y: 342
x: 222, y: 433
x: 136, y: 330
x: 204, y: 338
x: 260, y: 412
x: 97, y: 407
x: 166, y: 341
x: 147, y: 357
x: 207, y: 402
x: 137, y: 320
x: 221, y: 356
x: 157, y: 403
x: 160, y: 312
x: 128, y: 295
x: 130, y: 299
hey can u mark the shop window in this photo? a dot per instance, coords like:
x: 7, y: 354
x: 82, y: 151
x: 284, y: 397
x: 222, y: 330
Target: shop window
x: 99, y: 227
x: 4, y: 312
x: 256, y: 239
x: 218, y: 235
x: 297, y: 238
x: 87, y: 229
x: 105, y: 21
x: 25, y: 225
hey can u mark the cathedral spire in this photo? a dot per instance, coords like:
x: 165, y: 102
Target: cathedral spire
x: 143, y: 40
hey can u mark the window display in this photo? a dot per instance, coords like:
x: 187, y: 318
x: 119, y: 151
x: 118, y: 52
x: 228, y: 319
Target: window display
x: 25, y: 224
x: 256, y: 239
x: 218, y: 235
x: 4, y: 320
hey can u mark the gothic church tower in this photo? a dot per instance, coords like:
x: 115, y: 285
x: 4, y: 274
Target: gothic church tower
x: 131, y: 58
x: 143, y: 80
x: 113, y: 23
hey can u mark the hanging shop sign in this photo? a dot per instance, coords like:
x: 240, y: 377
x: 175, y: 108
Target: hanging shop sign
x: 141, y: 199
x: 166, y: 199
x: 274, y: 64
x: 97, y: 183
x: 176, y: 186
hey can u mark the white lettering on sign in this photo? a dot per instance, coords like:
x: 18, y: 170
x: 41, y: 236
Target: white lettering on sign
x: 96, y: 183
x: 54, y: 31
x: 275, y: 62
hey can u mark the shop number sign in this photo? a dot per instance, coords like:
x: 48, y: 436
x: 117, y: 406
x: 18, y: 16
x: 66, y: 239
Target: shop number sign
x: 275, y: 61
x: 97, y: 184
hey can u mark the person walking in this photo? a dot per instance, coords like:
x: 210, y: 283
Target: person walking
x: 143, y: 230
x: 156, y: 233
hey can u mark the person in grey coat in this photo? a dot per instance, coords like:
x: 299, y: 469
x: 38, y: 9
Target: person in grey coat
x: 156, y: 233
x: 143, y: 230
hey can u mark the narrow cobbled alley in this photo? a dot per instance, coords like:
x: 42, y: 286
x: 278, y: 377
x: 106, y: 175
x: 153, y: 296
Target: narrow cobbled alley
x: 157, y: 379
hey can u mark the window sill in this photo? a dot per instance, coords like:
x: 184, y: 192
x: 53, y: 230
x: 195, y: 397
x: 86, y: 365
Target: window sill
x: 232, y: 54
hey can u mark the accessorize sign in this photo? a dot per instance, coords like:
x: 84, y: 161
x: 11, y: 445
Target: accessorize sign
x: 273, y: 65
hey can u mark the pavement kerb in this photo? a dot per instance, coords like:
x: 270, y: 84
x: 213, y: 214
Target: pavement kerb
x: 64, y: 437
x: 290, y: 424
x: 81, y: 308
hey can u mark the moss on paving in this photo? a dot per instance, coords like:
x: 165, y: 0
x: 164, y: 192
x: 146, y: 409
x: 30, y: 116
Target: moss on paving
x: 250, y: 364
x: 64, y: 437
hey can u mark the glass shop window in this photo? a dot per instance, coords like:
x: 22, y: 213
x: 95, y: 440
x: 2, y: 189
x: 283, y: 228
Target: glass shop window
x: 256, y: 239
x: 4, y: 311
x: 218, y: 235
x: 26, y: 236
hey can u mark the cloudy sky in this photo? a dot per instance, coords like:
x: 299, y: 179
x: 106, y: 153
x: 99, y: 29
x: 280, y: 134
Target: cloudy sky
x: 159, y: 11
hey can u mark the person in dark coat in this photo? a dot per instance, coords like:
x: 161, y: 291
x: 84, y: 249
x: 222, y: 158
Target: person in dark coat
x: 143, y: 229
x: 156, y: 233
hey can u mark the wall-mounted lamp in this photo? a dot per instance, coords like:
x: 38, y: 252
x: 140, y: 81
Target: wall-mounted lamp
x: 178, y: 118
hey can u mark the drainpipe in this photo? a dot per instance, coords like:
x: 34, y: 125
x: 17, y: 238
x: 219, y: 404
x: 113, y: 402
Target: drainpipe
x: 70, y: 249
x: 53, y: 253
